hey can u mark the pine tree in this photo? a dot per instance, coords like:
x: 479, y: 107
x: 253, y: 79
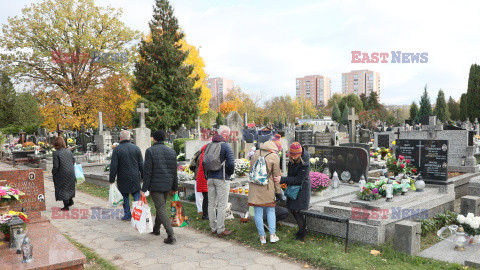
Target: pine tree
x: 336, y: 114
x: 162, y: 77
x: 463, y: 107
x: 473, y: 93
x: 220, y: 120
x: 344, y: 119
x: 441, y: 109
x: 454, y: 109
x: 413, y: 111
x: 425, y: 107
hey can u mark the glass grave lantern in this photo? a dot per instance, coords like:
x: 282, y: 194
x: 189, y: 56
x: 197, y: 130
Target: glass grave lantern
x: 14, y: 224
x: 389, y: 190
x: 27, y: 250
x: 362, y: 182
x: 335, y: 180
x: 460, y: 239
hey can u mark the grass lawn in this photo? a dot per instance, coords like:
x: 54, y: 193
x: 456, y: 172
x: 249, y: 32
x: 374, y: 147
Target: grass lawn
x: 317, y: 251
x: 94, y: 261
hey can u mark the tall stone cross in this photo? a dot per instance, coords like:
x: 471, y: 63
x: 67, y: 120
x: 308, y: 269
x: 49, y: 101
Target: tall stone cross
x: 142, y: 111
x: 100, y: 122
x: 198, y: 121
x: 433, y: 127
x: 352, y: 117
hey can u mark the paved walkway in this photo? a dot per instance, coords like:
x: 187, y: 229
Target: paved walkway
x: 119, y: 243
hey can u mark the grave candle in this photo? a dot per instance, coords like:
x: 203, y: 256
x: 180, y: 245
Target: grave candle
x: 335, y: 180
x: 389, y: 190
x: 405, y: 184
x: 362, y: 182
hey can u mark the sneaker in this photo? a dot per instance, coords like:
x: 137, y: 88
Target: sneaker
x: 274, y: 238
x: 225, y: 233
x: 263, y: 240
x: 205, y: 217
x: 170, y: 240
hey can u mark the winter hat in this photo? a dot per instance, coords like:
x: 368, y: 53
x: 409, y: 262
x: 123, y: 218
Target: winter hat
x: 278, y: 143
x: 295, y: 149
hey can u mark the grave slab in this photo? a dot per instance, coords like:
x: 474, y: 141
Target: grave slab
x: 444, y: 251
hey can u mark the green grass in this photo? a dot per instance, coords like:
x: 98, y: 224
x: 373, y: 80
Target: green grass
x: 317, y: 251
x: 94, y: 261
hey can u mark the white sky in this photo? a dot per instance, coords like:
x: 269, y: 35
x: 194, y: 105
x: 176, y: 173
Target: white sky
x: 263, y: 45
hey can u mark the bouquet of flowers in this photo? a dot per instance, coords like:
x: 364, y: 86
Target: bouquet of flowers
x: 70, y: 141
x: 470, y: 223
x: 184, y: 173
x: 9, y: 194
x: 319, y: 181
x: 242, y: 167
x: 385, y: 152
x: 400, y: 165
x: 315, y: 165
x: 369, y: 193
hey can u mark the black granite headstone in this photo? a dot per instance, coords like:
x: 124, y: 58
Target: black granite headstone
x: 324, y: 139
x: 383, y: 140
x: 304, y: 137
x: 340, y: 159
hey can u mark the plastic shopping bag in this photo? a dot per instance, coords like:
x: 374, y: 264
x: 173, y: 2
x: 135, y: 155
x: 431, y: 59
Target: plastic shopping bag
x: 142, y: 216
x: 115, y: 197
x: 176, y: 214
x: 79, y: 176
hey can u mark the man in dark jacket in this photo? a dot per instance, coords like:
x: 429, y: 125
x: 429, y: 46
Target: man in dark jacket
x: 218, y: 186
x: 160, y: 178
x: 127, y: 166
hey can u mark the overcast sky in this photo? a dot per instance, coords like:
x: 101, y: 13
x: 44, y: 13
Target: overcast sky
x: 263, y: 45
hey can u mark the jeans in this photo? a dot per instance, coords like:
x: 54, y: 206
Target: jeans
x: 161, y: 216
x: 217, y: 203
x: 270, y: 218
x: 126, y: 203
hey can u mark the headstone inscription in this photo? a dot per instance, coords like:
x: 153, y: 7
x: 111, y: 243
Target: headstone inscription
x: 383, y: 140
x: 429, y: 157
x: 304, y: 137
x: 324, y: 139
x: 342, y: 159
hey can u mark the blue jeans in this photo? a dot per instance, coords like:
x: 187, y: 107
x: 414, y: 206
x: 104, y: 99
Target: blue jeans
x: 126, y: 203
x: 271, y: 219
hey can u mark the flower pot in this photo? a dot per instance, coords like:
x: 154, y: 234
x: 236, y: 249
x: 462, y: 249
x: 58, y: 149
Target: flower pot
x: 419, y: 185
x: 318, y: 193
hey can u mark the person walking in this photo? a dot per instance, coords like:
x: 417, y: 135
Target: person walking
x: 63, y: 173
x: 201, y: 187
x: 219, y: 164
x: 127, y: 166
x: 298, y: 174
x: 160, y: 178
x: 262, y: 198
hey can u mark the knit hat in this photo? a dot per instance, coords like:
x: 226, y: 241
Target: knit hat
x: 295, y: 149
x: 278, y: 143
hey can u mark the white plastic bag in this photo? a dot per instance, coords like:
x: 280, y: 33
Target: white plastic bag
x: 142, y: 216
x: 79, y: 176
x: 115, y: 197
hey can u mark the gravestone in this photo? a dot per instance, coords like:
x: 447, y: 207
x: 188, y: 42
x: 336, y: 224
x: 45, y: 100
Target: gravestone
x: 142, y: 134
x: 192, y: 146
x: 115, y: 135
x: 289, y: 135
x: 23, y: 137
x: 383, y: 140
x: 103, y: 140
x: 429, y: 157
x: 198, y: 121
x: 365, y: 136
x: 304, y: 137
x: 342, y: 159
x: 324, y: 139
x: 343, y: 128
x: 234, y: 122
x: 471, y: 136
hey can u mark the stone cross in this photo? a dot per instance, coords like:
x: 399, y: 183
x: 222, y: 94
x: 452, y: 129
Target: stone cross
x: 432, y: 127
x: 100, y: 122
x: 352, y: 117
x: 142, y: 111
x: 198, y: 121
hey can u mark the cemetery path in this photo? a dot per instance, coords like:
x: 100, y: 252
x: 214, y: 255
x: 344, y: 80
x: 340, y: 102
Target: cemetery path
x: 118, y: 242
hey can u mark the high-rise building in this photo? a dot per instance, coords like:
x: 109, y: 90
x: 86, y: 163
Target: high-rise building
x: 361, y: 82
x: 219, y: 88
x: 314, y: 87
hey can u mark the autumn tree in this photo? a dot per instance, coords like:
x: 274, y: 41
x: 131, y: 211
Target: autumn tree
x: 118, y: 101
x: 7, y: 100
x: 364, y: 99
x: 60, y: 47
x: 208, y: 119
x: 334, y: 99
x: 162, y: 77
x: 350, y: 101
x: 227, y: 107
x: 373, y: 103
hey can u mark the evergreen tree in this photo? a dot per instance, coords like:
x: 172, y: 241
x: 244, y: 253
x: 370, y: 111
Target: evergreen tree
x: 364, y: 100
x: 7, y: 100
x: 441, y: 109
x: 463, y: 107
x: 162, y: 77
x: 373, y: 101
x: 220, y: 120
x: 413, y: 111
x: 344, y: 119
x: 336, y: 114
x: 352, y: 101
x: 425, y: 107
x: 454, y: 109
x: 473, y: 93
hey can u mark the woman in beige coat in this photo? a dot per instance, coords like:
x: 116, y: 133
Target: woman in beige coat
x: 263, y: 197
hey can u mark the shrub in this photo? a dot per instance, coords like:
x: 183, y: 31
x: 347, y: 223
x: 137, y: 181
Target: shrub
x: 179, y: 145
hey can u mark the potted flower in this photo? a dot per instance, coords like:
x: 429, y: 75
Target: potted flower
x: 375, y: 156
x: 471, y: 225
x: 369, y: 193
x: 319, y: 182
x: 242, y: 167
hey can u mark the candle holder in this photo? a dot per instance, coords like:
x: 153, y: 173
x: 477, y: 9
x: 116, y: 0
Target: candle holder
x: 389, y: 190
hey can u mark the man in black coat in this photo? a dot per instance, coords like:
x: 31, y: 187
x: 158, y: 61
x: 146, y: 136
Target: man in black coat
x: 127, y: 166
x: 160, y: 178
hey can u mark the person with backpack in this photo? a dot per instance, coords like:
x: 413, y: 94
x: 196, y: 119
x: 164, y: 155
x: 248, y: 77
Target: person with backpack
x: 265, y: 165
x: 196, y: 165
x: 219, y: 165
x: 298, y: 175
